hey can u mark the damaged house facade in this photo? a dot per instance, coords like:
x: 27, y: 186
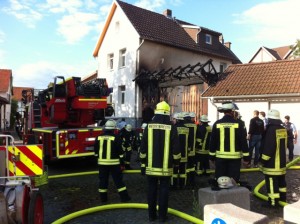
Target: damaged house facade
x: 147, y: 56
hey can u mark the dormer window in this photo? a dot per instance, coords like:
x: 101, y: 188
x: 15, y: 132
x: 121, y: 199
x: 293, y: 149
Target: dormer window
x: 208, y: 39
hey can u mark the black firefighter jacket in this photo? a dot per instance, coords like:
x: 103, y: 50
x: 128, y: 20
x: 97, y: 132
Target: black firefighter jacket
x: 228, y: 140
x: 108, y: 148
x: 274, y: 146
x: 160, y: 147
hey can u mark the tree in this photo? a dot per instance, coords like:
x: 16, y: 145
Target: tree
x: 14, y: 109
x: 296, y: 49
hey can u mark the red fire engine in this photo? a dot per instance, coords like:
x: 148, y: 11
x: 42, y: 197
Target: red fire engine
x: 63, y: 116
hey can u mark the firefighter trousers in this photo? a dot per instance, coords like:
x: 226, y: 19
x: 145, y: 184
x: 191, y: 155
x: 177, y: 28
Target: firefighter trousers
x: 202, y: 163
x: 179, y: 175
x: 116, y: 173
x: 276, y: 188
x: 228, y: 167
x: 161, y: 186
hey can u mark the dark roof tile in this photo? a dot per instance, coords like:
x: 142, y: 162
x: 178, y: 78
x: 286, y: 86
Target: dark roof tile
x: 159, y: 28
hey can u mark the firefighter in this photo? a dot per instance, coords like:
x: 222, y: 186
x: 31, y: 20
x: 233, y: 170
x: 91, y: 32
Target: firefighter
x: 109, y: 152
x: 139, y: 137
x: 128, y: 138
x: 159, y: 153
x: 191, y: 166
x: 273, y: 159
x: 179, y: 177
x: 202, y: 145
x: 228, y: 144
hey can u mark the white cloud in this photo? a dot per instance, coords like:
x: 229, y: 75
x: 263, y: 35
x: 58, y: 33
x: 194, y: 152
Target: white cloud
x: 41, y: 73
x: 58, y: 6
x: 272, y: 22
x: 150, y: 4
x: 75, y: 26
x: 24, y: 12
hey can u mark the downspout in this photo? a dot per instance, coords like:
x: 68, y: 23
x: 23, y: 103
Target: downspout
x: 136, y: 92
x: 211, y: 99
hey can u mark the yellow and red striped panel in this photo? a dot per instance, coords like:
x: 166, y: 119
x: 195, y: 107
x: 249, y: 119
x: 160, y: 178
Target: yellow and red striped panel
x: 30, y: 160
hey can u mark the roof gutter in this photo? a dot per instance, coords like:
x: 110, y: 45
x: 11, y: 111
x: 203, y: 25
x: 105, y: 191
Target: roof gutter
x: 211, y: 99
x: 254, y: 96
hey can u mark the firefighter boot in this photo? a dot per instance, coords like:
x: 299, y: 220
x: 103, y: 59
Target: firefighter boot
x: 103, y: 197
x: 124, y: 196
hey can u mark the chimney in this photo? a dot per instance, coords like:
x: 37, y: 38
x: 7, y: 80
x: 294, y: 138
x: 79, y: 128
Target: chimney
x: 227, y: 44
x: 168, y: 13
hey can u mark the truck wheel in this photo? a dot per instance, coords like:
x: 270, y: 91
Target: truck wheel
x: 36, y: 209
x: 25, y: 204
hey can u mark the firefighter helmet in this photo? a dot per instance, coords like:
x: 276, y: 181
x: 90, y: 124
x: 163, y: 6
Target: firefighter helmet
x: 162, y: 108
x: 204, y: 118
x: 110, y: 124
x: 180, y: 116
x: 225, y: 182
x: 228, y: 106
x: 144, y: 125
x: 186, y: 114
x: 274, y: 114
x: 128, y: 127
x: 192, y: 114
x: 175, y: 115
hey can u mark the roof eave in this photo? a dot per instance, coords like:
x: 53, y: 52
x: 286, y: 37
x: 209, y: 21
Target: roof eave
x: 254, y: 96
x: 105, y: 28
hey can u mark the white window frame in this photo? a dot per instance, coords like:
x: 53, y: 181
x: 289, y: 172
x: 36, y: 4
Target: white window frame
x: 122, y: 90
x: 223, y: 66
x: 122, y: 60
x: 208, y: 38
x: 110, y: 61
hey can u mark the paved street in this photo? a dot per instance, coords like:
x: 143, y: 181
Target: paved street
x: 66, y: 195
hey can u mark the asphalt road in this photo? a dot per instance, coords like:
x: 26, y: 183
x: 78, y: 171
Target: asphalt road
x: 66, y: 195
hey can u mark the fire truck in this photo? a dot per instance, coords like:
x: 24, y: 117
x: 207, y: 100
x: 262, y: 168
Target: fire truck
x: 65, y: 117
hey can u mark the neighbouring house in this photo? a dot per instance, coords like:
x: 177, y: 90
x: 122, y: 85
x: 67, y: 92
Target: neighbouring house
x: 259, y: 86
x: 19, y: 97
x: 265, y: 54
x: 147, y: 56
x: 6, y: 92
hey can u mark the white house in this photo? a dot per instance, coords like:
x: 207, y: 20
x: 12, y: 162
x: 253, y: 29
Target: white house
x: 146, y: 55
x: 259, y: 86
x: 265, y: 54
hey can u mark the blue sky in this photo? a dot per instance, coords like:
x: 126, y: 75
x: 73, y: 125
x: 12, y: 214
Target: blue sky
x: 40, y: 39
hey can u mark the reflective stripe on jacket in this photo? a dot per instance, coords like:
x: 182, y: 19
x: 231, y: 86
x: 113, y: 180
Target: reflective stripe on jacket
x: 108, y: 149
x: 228, y: 140
x: 274, y: 149
x: 160, y: 147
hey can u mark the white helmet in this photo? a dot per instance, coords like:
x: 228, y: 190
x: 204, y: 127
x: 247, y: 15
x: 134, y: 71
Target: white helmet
x: 180, y: 116
x: 204, y: 118
x: 110, y: 124
x: 144, y: 125
x: 274, y: 114
x: 192, y: 114
x: 128, y: 127
x: 185, y: 114
x: 175, y: 115
x: 225, y: 182
x: 228, y: 106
